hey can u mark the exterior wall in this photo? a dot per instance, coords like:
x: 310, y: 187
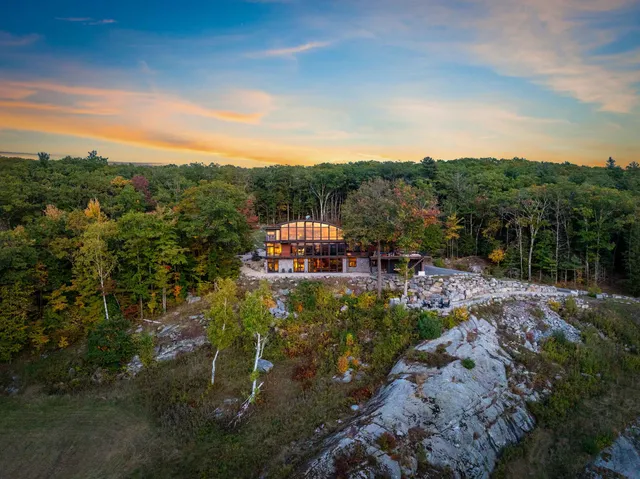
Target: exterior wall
x: 362, y: 266
x: 286, y: 264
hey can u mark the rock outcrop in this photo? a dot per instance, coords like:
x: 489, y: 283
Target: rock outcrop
x: 621, y: 459
x: 435, y: 416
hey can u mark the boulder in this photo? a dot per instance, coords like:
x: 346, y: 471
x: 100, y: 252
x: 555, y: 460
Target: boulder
x: 264, y: 366
x: 193, y: 299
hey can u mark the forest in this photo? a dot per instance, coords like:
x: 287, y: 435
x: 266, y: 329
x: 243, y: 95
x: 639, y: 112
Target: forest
x: 83, y: 237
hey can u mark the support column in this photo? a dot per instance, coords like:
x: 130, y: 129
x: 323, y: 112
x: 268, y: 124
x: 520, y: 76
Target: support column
x: 344, y: 265
x: 306, y: 265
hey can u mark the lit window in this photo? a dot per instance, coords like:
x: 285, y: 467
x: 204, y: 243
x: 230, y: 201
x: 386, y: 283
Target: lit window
x: 353, y: 262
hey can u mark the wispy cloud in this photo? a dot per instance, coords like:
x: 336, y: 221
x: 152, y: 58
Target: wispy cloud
x: 548, y: 42
x: 291, y: 51
x: 87, y: 20
x: 9, y: 40
x: 230, y: 148
x: 104, y: 21
x: 74, y: 19
x: 125, y: 102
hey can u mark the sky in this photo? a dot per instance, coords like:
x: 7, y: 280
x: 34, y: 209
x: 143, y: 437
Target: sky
x: 263, y: 82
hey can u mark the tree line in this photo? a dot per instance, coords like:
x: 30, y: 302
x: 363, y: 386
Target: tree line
x: 77, y: 233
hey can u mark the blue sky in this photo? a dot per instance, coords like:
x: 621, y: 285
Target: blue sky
x: 301, y: 81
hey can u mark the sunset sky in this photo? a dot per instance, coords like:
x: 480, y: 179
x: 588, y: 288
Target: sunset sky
x: 306, y: 81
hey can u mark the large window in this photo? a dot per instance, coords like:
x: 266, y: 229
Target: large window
x: 298, y: 265
x: 272, y: 265
x: 273, y: 235
x: 274, y: 249
x: 325, y: 265
x: 353, y: 262
x: 305, y: 231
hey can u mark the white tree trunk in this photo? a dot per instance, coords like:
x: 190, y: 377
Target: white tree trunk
x: 406, y: 281
x: 379, y: 272
x: 533, y: 238
x: 259, y: 347
x: 164, y: 299
x: 213, y: 367
x: 104, y: 300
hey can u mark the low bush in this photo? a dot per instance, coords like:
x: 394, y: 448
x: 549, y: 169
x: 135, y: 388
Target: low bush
x: 144, y: 343
x: 439, y: 263
x: 554, y: 306
x: 468, y: 363
x: 387, y: 442
x: 305, y: 296
x: 489, y: 310
x: 438, y: 359
x: 594, y: 444
x: 455, y: 317
x: 110, y: 345
x: 429, y: 325
x: 570, y: 308
x: 387, y: 349
x: 594, y: 290
x: 537, y: 313
x: 557, y: 349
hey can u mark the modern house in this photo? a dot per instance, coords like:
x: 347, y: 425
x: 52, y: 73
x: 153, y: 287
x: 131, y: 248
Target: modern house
x: 311, y: 247
x: 315, y: 247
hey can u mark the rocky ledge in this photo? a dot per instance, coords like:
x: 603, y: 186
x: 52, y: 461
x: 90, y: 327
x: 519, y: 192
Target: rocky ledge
x: 621, y: 459
x: 449, y: 407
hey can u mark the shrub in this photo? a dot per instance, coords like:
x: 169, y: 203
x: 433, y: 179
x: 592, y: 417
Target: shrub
x: 386, y: 350
x: 145, y: 348
x: 558, y: 349
x: 305, y: 296
x: 110, y: 345
x: 455, y: 317
x: 570, y: 307
x: 429, y: 325
x: 554, y: 306
x: 497, y: 256
x: 468, y: 363
x: 594, y: 444
x: 350, y: 460
x: 343, y: 364
x: 497, y: 271
x: 439, y: 263
x: 305, y: 371
x: 537, y: 313
x: 438, y: 359
x: 594, y: 290
x: 387, y: 442
x: 488, y: 310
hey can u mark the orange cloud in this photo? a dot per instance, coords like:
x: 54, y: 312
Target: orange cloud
x: 230, y: 148
x: 58, y: 108
x: 113, y: 101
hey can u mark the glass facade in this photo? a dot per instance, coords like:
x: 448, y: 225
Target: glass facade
x: 301, y: 239
x: 304, y: 231
x: 325, y: 265
x: 322, y: 246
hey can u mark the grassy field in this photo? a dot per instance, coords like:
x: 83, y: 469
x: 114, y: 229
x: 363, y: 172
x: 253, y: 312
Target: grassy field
x: 164, y: 424
x: 82, y: 436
